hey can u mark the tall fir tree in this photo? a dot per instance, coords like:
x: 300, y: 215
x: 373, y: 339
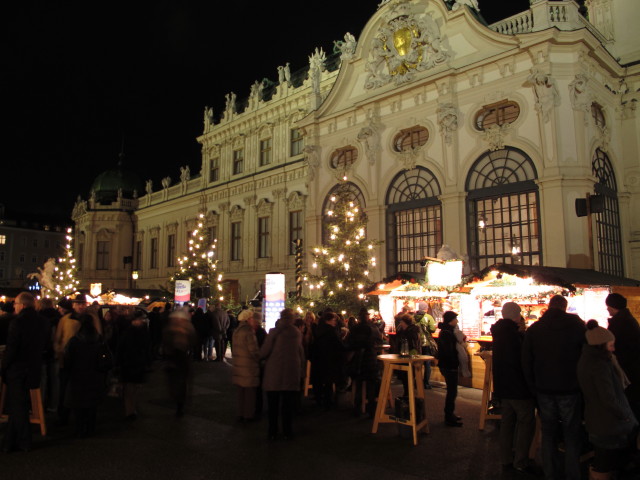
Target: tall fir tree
x: 64, y: 278
x: 341, y: 269
x: 200, y: 265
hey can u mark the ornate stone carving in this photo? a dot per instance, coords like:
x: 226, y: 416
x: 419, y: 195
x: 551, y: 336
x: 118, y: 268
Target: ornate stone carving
x: 369, y: 137
x: 495, y: 136
x: 316, y: 67
x: 249, y: 200
x: 208, y: 118
x: 408, y: 158
x: 470, y: 3
x: 347, y: 48
x: 230, y: 105
x: 312, y: 155
x: 224, y: 206
x: 448, y: 120
x: 185, y: 174
x: 279, y: 193
x: 166, y: 182
x: 579, y: 95
x: 295, y: 201
x: 236, y: 213
x: 603, y: 138
x: 264, y: 207
x: 546, y: 91
x: 171, y: 228
x: 406, y: 43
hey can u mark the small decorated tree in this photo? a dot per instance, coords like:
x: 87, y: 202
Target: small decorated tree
x: 59, y: 278
x: 200, y: 266
x: 341, y: 269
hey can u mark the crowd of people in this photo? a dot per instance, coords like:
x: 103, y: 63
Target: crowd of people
x: 580, y: 379
x: 583, y: 380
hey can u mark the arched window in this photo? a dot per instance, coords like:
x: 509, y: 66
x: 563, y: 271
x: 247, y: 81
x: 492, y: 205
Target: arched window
x: 351, y: 192
x: 608, y: 221
x: 344, y: 157
x: 410, y: 138
x: 414, y: 219
x: 500, y: 113
x: 503, y: 210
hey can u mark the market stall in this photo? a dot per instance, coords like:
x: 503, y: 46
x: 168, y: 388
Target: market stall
x: 479, y: 298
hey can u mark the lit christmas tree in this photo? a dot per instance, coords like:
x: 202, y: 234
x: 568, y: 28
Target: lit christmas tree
x: 200, y: 266
x: 340, y: 273
x: 63, y: 280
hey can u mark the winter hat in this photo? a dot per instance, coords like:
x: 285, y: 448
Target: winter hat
x: 66, y: 304
x: 511, y: 310
x: 617, y: 301
x: 596, y: 335
x: 449, y: 316
x: 245, y: 315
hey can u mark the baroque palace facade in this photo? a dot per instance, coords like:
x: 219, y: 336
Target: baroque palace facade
x: 447, y: 130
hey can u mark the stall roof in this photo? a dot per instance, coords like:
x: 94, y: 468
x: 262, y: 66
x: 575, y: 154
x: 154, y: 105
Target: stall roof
x: 567, y: 278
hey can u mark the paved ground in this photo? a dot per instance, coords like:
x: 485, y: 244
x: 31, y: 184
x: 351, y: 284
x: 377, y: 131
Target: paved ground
x: 207, y: 443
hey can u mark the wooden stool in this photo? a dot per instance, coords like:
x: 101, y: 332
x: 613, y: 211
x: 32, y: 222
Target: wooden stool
x: 487, y: 387
x: 37, y: 410
x: 414, y: 366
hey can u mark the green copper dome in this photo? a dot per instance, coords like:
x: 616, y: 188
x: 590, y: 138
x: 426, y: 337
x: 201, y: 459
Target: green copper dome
x: 106, y: 185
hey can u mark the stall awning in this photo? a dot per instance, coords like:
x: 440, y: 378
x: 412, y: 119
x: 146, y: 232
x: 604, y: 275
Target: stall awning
x: 568, y: 278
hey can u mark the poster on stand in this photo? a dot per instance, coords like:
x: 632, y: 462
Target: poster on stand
x: 273, y: 298
x: 183, y: 291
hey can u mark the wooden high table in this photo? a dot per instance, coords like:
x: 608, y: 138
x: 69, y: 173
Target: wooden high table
x: 414, y: 366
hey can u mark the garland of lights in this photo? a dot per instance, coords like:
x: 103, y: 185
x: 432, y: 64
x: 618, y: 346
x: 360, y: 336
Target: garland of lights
x: 198, y: 264
x: 64, y: 273
x: 341, y: 268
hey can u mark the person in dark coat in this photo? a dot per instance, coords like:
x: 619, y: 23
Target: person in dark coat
x: 607, y: 414
x: 550, y: 353
x: 155, y: 331
x: 363, y: 341
x: 201, y: 326
x: 407, y: 330
x: 518, y: 421
x: 132, y: 360
x: 21, y: 369
x: 219, y: 320
x: 627, y: 332
x: 327, y: 359
x: 50, y: 381
x: 448, y: 364
x: 87, y: 385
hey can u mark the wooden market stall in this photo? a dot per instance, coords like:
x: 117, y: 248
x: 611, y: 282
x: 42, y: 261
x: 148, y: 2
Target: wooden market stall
x: 479, y: 299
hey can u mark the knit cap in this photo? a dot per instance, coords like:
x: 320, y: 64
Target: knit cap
x: 596, y: 335
x: 617, y: 301
x: 449, y: 316
x: 511, y: 310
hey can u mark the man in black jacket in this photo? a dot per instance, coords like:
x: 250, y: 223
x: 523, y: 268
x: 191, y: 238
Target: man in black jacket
x: 21, y: 367
x: 627, y: 332
x: 550, y: 353
x: 516, y: 400
x: 448, y: 364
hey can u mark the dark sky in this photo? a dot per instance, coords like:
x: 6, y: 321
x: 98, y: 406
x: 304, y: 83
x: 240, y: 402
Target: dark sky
x: 79, y: 76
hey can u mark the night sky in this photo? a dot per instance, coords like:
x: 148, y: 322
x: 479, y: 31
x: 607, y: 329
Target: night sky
x: 80, y: 77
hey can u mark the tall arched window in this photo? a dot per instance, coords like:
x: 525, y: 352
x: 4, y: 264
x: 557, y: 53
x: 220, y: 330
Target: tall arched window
x: 352, y: 193
x: 414, y: 219
x: 503, y: 210
x: 608, y: 221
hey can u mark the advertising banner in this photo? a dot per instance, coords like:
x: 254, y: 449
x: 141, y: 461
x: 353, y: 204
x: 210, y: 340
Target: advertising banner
x: 183, y: 291
x: 273, y: 298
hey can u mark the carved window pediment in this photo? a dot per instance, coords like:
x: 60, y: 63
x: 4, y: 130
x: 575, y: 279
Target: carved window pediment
x: 296, y: 201
x: 264, y: 207
x: 236, y: 213
x: 104, y: 235
x: 172, y: 228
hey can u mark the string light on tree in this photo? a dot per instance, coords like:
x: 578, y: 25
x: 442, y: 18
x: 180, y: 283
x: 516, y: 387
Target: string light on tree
x: 341, y: 267
x: 200, y: 265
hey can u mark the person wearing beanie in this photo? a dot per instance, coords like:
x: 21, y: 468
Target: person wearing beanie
x: 550, y: 352
x: 448, y: 364
x: 245, y: 374
x: 608, y: 416
x: 627, y: 332
x: 517, y: 425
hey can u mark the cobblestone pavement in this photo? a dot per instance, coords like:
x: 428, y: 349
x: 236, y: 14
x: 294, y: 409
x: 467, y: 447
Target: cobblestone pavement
x: 207, y: 443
